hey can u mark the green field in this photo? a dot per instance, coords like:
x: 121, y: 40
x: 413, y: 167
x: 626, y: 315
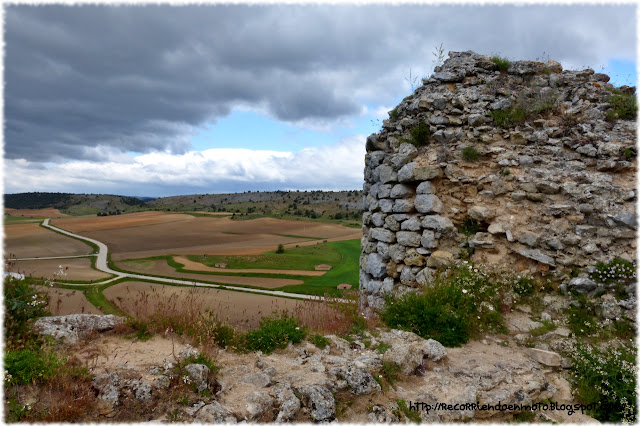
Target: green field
x: 303, y: 258
x: 345, y: 272
x: 341, y: 255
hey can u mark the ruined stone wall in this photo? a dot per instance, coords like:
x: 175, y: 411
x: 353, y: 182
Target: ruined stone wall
x: 552, y: 190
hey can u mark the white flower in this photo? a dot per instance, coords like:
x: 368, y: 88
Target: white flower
x: 464, y: 290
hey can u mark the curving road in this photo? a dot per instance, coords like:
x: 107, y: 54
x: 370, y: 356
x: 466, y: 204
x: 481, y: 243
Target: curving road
x: 102, y: 265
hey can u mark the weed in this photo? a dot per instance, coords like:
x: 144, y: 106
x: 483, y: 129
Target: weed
x: 607, y: 379
x: 470, y: 154
x: 319, y: 340
x: 411, y: 415
x: 461, y: 301
x: 275, y: 332
x: 390, y: 371
x: 393, y: 114
x: 470, y: 226
x: 623, y: 107
x: 420, y: 134
x: 524, y: 285
x: 505, y: 172
x: 200, y: 359
x: 617, y: 271
x: 629, y: 154
x: 508, y: 117
x: 23, y: 303
x: 546, y: 327
x: 27, y: 366
x: 501, y: 63
x: 382, y: 347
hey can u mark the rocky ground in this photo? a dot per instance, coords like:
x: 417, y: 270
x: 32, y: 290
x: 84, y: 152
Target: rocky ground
x: 348, y: 380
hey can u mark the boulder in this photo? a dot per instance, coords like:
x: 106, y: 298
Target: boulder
x: 73, y: 327
x: 320, y: 401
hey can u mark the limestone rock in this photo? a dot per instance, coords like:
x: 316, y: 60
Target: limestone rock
x: 550, y: 359
x: 258, y: 403
x: 439, y: 259
x: 215, y: 413
x: 320, y: 401
x: 287, y: 400
x: 199, y: 374
x: 428, y: 203
x: 75, y: 326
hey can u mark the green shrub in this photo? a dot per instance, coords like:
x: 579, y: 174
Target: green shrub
x: 275, y: 333
x: 629, y: 154
x: 141, y: 328
x: 470, y: 226
x: 393, y: 114
x: 420, y: 134
x: 280, y: 249
x: 607, y: 379
x: 524, y: 285
x: 582, y: 318
x: 508, y: 117
x: 614, y: 272
x: 23, y: 303
x: 200, y: 359
x: 461, y: 301
x: 502, y: 63
x: 469, y: 153
x: 623, y: 107
x: 319, y: 340
x: 27, y: 366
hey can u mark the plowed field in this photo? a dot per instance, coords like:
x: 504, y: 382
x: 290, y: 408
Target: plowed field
x: 148, y: 234
x: 48, y: 212
x: 66, y: 302
x: 242, y: 310
x: 78, y: 269
x: 32, y: 240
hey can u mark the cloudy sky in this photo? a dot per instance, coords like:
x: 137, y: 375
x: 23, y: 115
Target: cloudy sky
x: 166, y: 100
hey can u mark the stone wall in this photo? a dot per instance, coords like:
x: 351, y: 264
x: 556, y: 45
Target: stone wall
x: 552, y: 191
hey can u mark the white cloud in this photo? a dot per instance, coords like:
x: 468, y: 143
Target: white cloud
x: 338, y: 166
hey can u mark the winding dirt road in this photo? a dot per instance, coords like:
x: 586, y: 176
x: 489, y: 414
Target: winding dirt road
x: 102, y: 265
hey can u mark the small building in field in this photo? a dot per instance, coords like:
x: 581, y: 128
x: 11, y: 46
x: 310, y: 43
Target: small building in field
x: 323, y: 267
x: 220, y: 265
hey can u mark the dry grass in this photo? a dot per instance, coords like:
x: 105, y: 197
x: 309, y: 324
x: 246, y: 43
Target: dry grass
x: 239, y: 310
x: 66, y: 397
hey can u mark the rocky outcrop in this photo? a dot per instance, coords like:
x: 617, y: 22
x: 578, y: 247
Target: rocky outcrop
x: 70, y: 328
x: 526, y: 168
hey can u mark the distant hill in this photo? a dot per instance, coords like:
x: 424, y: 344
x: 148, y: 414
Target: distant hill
x: 74, y: 204
x: 344, y: 206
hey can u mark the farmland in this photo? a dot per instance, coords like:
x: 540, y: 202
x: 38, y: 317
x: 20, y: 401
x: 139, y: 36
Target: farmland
x: 212, y: 249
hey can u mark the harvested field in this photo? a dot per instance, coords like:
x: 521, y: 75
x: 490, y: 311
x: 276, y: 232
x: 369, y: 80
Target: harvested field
x: 150, y: 234
x: 66, y: 302
x: 43, y: 213
x: 197, y: 266
x: 242, y: 310
x: 78, y: 269
x: 32, y: 240
x: 160, y: 267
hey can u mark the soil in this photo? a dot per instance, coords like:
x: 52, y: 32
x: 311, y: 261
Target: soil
x: 149, y: 234
x: 48, y: 212
x: 32, y: 240
x: 160, y: 267
x: 78, y: 269
x: 66, y: 302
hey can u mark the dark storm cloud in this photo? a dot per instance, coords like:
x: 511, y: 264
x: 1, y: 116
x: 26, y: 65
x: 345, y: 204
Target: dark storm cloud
x: 142, y: 78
